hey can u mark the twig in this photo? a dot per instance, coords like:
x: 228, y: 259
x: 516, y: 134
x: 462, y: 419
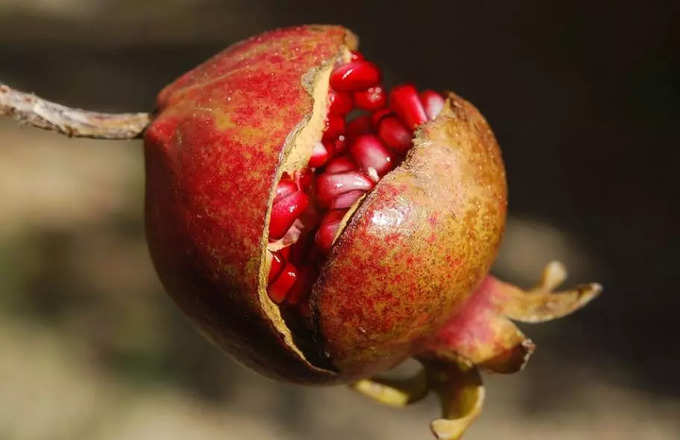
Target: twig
x: 30, y: 109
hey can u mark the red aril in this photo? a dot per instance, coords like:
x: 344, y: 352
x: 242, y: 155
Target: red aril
x: 285, y: 212
x: 433, y: 103
x: 369, y: 153
x: 319, y: 155
x: 378, y: 115
x: 284, y: 188
x: 328, y: 229
x: 395, y: 134
x: 335, y: 126
x: 278, y: 290
x: 359, y: 125
x: 277, y: 265
x: 356, y: 56
x: 329, y: 186
x: 339, y: 103
x: 370, y: 99
x: 338, y: 146
x: 346, y: 200
x: 355, y: 75
x: 340, y: 164
x: 305, y: 180
x: 303, y: 283
x: 404, y: 101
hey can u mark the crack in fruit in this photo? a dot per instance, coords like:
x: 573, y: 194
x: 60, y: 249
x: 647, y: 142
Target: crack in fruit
x: 347, y: 162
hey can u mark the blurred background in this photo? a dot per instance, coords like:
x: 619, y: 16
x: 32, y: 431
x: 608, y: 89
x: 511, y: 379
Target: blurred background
x: 584, y: 98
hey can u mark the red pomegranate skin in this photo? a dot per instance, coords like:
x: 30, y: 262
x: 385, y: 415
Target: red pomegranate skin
x: 211, y: 160
x: 417, y: 247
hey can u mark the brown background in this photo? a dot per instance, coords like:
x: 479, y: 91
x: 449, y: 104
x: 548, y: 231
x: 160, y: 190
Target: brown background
x: 584, y: 98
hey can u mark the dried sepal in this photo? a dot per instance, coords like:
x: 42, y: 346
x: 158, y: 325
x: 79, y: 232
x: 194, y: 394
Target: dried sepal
x: 457, y: 384
x: 482, y: 334
x: 394, y: 392
x: 541, y: 304
x: 461, y: 393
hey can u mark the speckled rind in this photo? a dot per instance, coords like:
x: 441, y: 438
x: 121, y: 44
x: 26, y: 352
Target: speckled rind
x: 212, y: 155
x: 418, y: 245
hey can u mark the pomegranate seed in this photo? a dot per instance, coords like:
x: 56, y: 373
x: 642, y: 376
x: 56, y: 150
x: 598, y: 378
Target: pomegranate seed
x: 359, y: 125
x: 355, y: 75
x: 346, y: 200
x: 395, y: 134
x: 329, y: 145
x: 340, y: 165
x: 302, y: 285
x: 377, y: 116
x: 335, y: 146
x: 319, y: 155
x: 284, y: 188
x: 433, y: 103
x: 329, y: 227
x: 356, y: 56
x: 370, y: 99
x: 369, y: 152
x: 335, y: 126
x: 277, y: 265
x: 406, y: 104
x: 340, y: 144
x: 284, y: 213
x: 278, y: 290
x: 329, y: 186
x: 306, y: 180
x: 339, y: 103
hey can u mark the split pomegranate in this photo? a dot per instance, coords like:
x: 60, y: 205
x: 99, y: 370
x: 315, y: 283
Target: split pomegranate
x: 364, y: 157
x: 323, y: 228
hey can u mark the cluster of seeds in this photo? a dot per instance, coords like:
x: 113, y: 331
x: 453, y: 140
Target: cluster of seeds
x: 349, y: 160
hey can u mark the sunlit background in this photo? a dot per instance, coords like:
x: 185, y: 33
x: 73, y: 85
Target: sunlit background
x: 584, y: 99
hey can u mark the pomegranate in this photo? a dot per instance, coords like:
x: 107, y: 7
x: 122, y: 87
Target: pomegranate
x: 322, y: 228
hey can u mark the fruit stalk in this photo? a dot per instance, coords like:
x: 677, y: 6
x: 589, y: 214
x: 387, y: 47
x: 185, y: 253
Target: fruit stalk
x: 30, y: 109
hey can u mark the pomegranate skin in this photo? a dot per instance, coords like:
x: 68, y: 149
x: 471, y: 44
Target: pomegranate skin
x: 212, y: 155
x: 416, y: 248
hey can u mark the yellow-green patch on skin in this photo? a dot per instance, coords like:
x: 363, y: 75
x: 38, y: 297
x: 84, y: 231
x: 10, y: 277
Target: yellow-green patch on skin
x: 416, y: 247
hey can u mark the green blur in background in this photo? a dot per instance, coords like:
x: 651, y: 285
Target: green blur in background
x: 584, y: 102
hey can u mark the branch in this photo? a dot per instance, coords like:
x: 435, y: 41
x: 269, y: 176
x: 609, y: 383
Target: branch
x: 30, y: 109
